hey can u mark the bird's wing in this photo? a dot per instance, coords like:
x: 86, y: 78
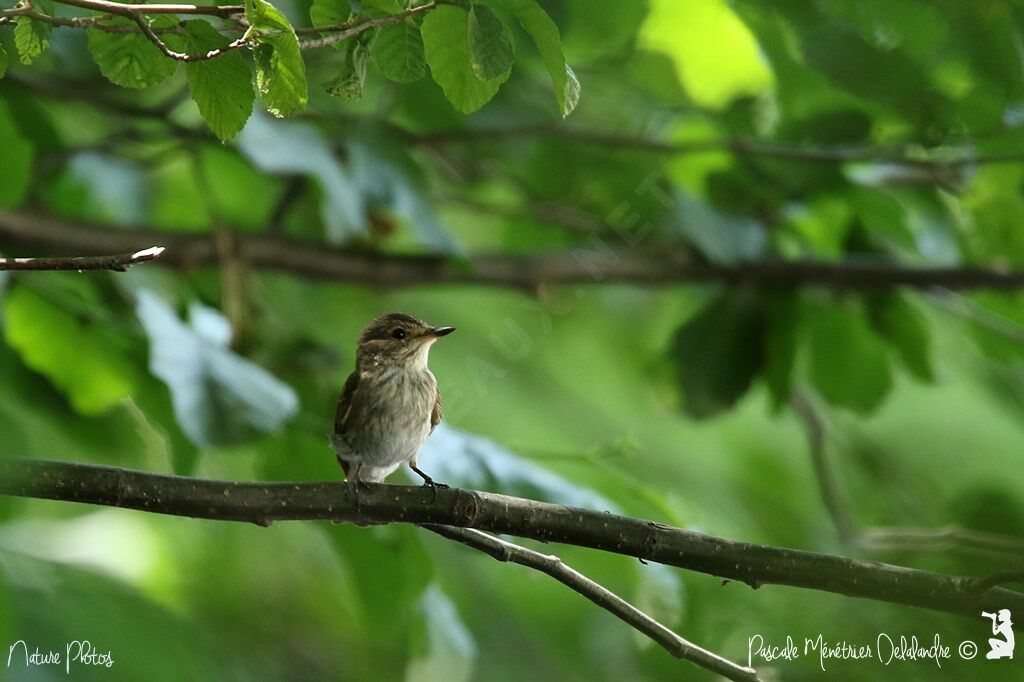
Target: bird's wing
x: 345, y: 404
x: 435, y: 415
x: 344, y: 411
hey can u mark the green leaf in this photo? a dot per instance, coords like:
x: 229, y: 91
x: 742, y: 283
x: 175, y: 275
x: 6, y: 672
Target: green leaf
x: 490, y: 43
x: 721, y: 238
x: 74, y: 355
x: 348, y: 85
x: 291, y: 148
x: 545, y: 36
x: 398, y: 52
x: 480, y: 463
x: 329, y: 12
x: 218, y: 396
x: 780, y: 345
x: 905, y: 327
x: 280, y: 71
x: 659, y: 594
x: 3, y: 61
x: 18, y: 154
x: 222, y: 86
x: 32, y: 37
x: 718, y: 352
x: 387, y: 599
x: 129, y: 59
x: 848, y: 361
x: 716, y: 57
x: 448, y: 651
x: 446, y: 44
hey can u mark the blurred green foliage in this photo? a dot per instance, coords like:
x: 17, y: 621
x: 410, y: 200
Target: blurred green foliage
x: 837, y: 130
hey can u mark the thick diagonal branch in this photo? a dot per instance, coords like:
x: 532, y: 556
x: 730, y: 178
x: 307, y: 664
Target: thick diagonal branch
x: 503, y: 550
x: 265, y: 503
x: 583, y: 266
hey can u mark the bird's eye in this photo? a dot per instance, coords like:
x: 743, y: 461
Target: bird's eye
x: 398, y: 334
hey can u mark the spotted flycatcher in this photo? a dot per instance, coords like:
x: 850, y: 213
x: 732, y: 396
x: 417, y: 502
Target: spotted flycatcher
x: 390, y: 403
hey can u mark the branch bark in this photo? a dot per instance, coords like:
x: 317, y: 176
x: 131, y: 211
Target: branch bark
x: 264, y: 503
x: 119, y: 262
x: 329, y: 35
x: 582, y: 266
x: 503, y: 550
x: 903, y: 155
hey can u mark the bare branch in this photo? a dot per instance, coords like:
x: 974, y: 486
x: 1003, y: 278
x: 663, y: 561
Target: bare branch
x: 999, y: 578
x: 127, y: 10
x: 834, y: 502
x: 335, y: 33
x: 651, y: 268
x: 119, y: 263
x: 344, y: 31
x: 502, y: 550
x: 148, y: 31
x: 939, y: 540
x: 264, y: 503
x: 888, y: 538
x: 903, y: 154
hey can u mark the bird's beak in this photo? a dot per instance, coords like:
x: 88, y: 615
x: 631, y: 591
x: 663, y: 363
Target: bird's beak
x: 438, y: 332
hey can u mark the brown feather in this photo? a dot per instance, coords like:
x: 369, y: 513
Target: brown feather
x: 341, y: 415
x: 435, y: 415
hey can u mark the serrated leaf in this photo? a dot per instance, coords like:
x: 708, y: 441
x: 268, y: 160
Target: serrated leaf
x: 490, y: 43
x: 546, y: 37
x: 848, y: 361
x: 31, y: 37
x: 718, y: 352
x: 3, y: 61
x: 129, y: 59
x: 72, y: 354
x: 280, y: 70
x: 348, y: 85
x: 445, y: 34
x: 18, y: 154
x: 218, y: 396
x: 222, y: 86
x: 398, y: 52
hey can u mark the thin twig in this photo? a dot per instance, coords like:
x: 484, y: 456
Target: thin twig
x: 147, y: 30
x: 901, y: 154
x: 888, y: 538
x: 998, y: 578
x: 125, y: 9
x: 264, y: 503
x: 665, y: 266
x: 939, y: 540
x: 119, y: 262
x: 827, y: 484
x: 344, y: 31
x: 502, y: 550
x: 137, y: 13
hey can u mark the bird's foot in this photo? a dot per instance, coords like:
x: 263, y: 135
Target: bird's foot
x: 429, y: 482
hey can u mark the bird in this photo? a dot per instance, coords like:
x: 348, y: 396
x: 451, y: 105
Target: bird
x: 390, y: 403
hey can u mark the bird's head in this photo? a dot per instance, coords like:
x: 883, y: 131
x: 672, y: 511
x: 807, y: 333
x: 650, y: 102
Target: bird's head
x: 398, y: 339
